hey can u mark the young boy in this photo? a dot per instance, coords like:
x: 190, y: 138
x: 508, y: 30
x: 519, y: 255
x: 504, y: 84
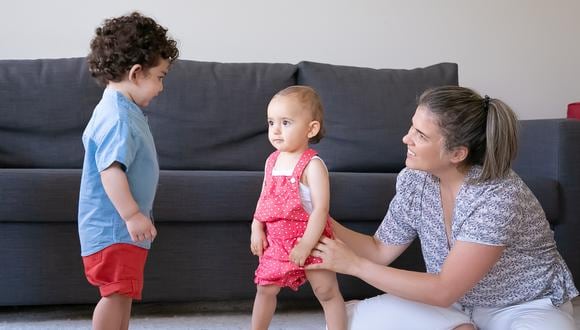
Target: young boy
x: 131, y: 56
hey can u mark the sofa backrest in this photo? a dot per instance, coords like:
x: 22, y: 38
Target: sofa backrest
x: 212, y: 116
x: 367, y: 111
x: 44, y: 107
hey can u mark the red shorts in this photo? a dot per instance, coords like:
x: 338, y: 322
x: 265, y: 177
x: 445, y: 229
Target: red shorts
x: 117, y: 269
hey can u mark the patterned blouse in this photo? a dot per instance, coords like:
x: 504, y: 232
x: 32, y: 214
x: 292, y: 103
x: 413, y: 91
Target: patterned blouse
x: 497, y: 212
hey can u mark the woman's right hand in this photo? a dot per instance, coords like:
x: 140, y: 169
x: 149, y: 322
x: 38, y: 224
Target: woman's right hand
x: 336, y: 256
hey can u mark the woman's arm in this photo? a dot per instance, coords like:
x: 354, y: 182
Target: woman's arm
x: 466, y: 264
x: 366, y: 246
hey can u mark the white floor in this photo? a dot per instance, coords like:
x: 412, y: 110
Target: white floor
x: 286, y: 321
x: 161, y: 317
x: 233, y: 315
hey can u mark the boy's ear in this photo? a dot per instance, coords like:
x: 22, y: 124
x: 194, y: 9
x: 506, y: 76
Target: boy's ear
x: 135, y: 69
x: 314, y: 128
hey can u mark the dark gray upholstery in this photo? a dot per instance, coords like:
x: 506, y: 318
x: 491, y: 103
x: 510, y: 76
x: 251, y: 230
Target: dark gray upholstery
x: 550, y: 151
x: 212, y: 116
x: 210, y: 130
x: 368, y: 111
x: 44, y: 104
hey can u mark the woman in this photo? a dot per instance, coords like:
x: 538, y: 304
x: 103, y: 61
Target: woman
x: 491, y: 257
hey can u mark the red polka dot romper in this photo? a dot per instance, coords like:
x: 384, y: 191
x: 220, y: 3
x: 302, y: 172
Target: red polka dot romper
x: 280, y: 208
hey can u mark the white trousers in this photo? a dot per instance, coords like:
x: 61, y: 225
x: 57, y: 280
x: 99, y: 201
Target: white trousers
x: 390, y: 312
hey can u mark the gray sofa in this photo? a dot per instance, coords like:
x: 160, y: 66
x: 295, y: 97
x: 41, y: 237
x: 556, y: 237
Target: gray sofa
x: 211, y: 135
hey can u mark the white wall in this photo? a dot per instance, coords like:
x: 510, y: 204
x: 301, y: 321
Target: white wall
x: 526, y: 52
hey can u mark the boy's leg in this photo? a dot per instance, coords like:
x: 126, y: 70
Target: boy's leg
x: 264, y: 306
x: 111, y: 312
x: 125, y: 323
x: 390, y: 312
x: 118, y: 272
x: 537, y: 314
x: 325, y: 287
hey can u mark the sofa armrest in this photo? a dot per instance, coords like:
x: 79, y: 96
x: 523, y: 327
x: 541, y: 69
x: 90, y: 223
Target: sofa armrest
x: 550, y: 148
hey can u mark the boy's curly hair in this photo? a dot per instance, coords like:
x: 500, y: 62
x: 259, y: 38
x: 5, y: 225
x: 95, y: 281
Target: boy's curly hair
x: 124, y: 41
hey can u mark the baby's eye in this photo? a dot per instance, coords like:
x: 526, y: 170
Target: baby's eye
x: 270, y: 123
x: 285, y: 122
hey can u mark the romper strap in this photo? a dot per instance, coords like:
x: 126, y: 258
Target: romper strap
x: 303, y: 162
x: 270, y: 162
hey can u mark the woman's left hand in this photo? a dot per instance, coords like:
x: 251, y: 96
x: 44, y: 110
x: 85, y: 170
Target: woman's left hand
x: 336, y: 256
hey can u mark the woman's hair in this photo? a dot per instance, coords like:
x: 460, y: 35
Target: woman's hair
x: 310, y: 101
x: 487, y: 127
x: 122, y: 42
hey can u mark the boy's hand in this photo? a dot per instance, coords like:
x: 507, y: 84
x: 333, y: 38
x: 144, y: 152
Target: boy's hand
x: 141, y: 228
x: 258, y: 242
x: 299, y: 254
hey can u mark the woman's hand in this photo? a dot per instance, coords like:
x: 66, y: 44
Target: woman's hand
x: 336, y: 256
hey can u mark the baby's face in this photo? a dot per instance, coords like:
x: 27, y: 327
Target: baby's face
x: 289, y: 124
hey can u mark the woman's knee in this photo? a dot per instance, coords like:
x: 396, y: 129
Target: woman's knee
x: 465, y: 327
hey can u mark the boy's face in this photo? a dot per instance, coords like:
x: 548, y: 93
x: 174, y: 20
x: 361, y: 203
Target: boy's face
x: 148, y: 83
x: 289, y: 124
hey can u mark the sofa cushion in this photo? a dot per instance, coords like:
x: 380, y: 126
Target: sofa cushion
x: 45, y: 105
x: 39, y: 195
x: 367, y: 111
x: 212, y: 116
x: 186, y: 196
x: 51, y: 195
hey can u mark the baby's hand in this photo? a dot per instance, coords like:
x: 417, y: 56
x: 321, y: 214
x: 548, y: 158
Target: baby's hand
x: 141, y: 228
x: 299, y: 254
x: 258, y: 242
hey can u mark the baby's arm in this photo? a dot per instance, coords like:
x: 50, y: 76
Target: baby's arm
x: 316, y: 177
x: 258, y: 242
x: 117, y: 188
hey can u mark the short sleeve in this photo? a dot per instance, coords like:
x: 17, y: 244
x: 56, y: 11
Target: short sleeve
x: 398, y: 226
x: 493, y: 217
x: 117, y: 145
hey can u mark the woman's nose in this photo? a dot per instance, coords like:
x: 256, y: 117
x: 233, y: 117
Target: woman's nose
x: 407, y: 139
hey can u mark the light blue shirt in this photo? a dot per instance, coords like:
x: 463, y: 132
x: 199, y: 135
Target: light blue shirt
x: 117, y: 132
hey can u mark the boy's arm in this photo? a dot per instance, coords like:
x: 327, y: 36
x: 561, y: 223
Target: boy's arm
x: 117, y: 188
x: 318, y: 181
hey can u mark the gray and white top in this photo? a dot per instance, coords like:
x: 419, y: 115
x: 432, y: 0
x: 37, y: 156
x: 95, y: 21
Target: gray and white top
x: 497, y: 212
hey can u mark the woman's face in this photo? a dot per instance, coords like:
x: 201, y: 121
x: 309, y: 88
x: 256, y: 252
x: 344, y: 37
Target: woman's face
x: 425, y: 144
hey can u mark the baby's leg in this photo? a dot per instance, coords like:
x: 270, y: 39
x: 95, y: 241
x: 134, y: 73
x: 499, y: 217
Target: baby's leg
x: 325, y: 287
x: 264, y: 306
